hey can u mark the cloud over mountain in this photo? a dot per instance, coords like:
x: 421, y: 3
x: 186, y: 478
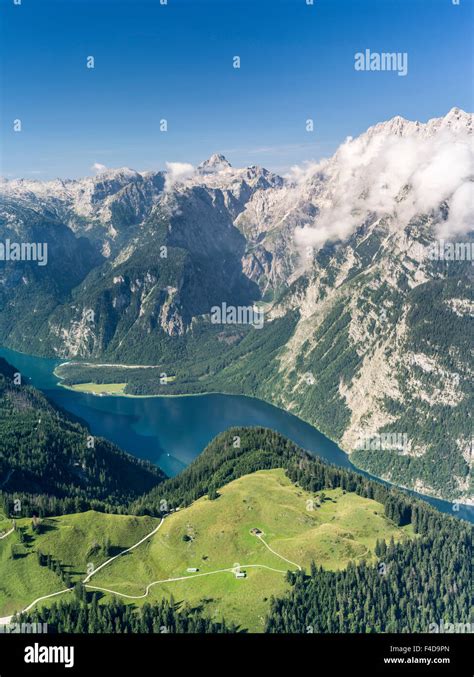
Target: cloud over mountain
x: 177, y: 171
x: 98, y: 167
x: 397, y: 168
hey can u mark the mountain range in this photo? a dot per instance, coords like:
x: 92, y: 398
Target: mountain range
x: 367, y: 334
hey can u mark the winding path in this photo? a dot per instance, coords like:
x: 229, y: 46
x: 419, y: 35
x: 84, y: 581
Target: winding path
x: 152, y: 533
x: 185, y: 578
x: 278, y: 554
x: 7, y: 533
x: 7, y: 619
x: 208, y: 573
x: 53, y: 594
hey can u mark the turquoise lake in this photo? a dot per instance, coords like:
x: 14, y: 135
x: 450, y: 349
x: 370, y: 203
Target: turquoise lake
x: 172, y: 431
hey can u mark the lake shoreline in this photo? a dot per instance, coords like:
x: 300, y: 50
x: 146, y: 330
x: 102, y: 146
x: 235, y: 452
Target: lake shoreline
x: 181, y: 431
x: 203, y: 394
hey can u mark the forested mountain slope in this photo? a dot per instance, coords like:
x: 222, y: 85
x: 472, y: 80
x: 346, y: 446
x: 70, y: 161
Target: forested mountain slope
x: 51, y: 464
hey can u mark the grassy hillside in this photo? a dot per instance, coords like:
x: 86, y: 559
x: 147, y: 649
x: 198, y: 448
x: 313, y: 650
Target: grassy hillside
x: 331, y: 528
x: 73, y: 540
x: 307, y: 511
x: 216, y: 534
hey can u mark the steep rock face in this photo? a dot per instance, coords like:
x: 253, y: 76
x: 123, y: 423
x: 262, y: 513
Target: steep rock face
x: 380, y: 349
x: 155, y: 237
x: 382, y: 344
x: 30, y: 290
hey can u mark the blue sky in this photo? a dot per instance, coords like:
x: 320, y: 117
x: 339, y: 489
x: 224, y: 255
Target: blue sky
x: 175, y: 62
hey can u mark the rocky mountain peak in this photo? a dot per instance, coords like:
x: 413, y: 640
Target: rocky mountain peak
x: 216, y: 163
x: 120, y: 173
x: 456, y: 120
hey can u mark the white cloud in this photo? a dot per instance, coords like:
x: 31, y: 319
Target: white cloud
x: 461, y: 213
x: 98, y: 168
x: 177, y: 171
x: 299, y: 174
x: 370, y: 174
